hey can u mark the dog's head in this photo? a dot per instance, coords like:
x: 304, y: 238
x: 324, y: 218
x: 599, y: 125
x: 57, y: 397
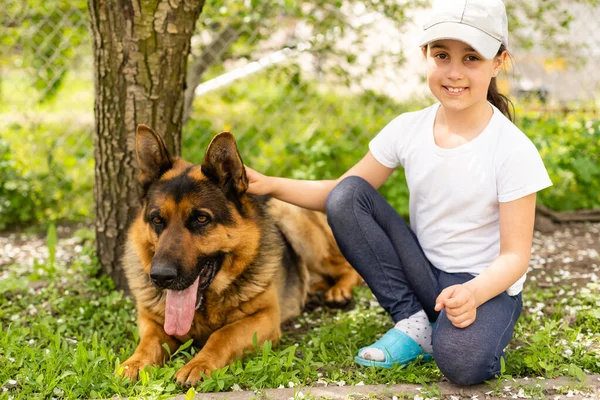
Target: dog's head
x: 194, y: 217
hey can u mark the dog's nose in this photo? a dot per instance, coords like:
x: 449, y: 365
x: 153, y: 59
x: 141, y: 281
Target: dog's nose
x: 163, y: 275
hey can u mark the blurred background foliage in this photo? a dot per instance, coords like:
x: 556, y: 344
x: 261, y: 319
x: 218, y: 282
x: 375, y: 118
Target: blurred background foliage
x: 312, y: 86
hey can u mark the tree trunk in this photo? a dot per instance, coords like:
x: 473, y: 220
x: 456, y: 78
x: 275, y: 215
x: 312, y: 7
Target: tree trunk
x: 140, y: 54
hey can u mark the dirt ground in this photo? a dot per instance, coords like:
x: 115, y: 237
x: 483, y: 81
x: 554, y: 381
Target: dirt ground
x: 568, y: 253
x: 20, y: 250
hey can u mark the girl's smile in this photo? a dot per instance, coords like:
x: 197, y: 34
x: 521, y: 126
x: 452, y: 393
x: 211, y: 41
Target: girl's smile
x: 455, y: 91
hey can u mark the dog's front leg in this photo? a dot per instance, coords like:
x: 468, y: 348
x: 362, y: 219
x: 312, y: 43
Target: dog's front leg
x: 230, y: 342
x: 150, y: 351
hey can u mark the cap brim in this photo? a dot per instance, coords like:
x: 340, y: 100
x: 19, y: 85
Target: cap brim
x: 480, y: 41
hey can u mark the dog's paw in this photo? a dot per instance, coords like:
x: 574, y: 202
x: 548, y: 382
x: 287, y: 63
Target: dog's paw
x: 130, y: 369
x: 192, y: 372
x: 338, y: 295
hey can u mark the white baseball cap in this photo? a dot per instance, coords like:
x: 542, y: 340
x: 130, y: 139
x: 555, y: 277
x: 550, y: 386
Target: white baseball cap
x: 482, y: 24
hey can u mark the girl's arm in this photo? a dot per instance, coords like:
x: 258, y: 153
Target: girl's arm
x: 516, y: 233
x: 313, y: 194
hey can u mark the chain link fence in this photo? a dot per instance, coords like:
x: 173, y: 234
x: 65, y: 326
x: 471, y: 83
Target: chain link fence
x: 296, y: 108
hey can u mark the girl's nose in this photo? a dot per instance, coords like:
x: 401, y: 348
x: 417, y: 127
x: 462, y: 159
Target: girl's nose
x: 454, y: 71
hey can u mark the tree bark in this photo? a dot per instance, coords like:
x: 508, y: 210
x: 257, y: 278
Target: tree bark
x: 140, y: 56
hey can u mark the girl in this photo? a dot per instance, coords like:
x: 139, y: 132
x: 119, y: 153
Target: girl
x: 452, y: 280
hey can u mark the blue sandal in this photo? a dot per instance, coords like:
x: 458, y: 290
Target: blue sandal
x: 398, y: 347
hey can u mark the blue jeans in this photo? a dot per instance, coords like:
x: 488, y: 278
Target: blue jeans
x: 386, y: 253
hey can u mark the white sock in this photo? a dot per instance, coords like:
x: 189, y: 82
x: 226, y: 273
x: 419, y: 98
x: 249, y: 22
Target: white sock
x: 416, y: 326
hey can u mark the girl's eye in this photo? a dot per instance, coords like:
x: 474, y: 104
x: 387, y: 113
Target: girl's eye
x: 472, y: 58
x: 441, y: 56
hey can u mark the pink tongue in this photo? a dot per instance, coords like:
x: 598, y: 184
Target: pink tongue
x: 180, y: 308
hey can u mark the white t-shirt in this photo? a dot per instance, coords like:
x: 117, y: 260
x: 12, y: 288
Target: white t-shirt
x: 454, y: 193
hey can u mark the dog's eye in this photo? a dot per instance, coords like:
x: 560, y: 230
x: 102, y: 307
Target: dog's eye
x: 157, y: 220
x: 202, y: 219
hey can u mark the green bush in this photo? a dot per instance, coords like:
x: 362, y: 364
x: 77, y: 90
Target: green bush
x: 285, y: 125
x: 570, y: 147
x: 16, y: 200
x: 45, y: 179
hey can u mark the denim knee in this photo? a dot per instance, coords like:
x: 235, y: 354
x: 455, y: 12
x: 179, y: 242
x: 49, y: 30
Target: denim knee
x: 342, y: 197
x: 464, y: 363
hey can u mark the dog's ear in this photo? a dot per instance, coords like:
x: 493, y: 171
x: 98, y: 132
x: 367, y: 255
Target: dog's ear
x: 153, y: 158
x: 224, y: 166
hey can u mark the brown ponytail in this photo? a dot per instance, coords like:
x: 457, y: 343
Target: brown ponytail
x: 499, y: 100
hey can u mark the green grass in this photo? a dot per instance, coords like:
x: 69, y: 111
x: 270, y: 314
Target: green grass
x: 64, y: 332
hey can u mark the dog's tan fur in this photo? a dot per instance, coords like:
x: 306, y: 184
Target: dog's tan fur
x: 272, y: 254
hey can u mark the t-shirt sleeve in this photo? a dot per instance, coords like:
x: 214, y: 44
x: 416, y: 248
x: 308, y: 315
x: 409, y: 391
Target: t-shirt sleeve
x: 385, y: 146
x: 522, y: 173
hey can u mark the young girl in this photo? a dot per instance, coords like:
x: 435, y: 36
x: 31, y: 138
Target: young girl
x: 473, y: 178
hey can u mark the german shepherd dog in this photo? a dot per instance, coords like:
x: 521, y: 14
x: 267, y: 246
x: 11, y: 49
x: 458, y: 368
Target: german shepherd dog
x: 206, y: 261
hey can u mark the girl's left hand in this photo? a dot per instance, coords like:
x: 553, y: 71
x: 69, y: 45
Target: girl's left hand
x: 459, y: 302
x: 257, y: 183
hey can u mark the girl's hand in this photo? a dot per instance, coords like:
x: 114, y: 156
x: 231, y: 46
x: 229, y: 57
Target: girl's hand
x: 258, y: 183
x: 460, y: 304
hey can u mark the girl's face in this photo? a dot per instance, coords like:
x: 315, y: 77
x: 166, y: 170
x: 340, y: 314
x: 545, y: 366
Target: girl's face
x: 457, y: 75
